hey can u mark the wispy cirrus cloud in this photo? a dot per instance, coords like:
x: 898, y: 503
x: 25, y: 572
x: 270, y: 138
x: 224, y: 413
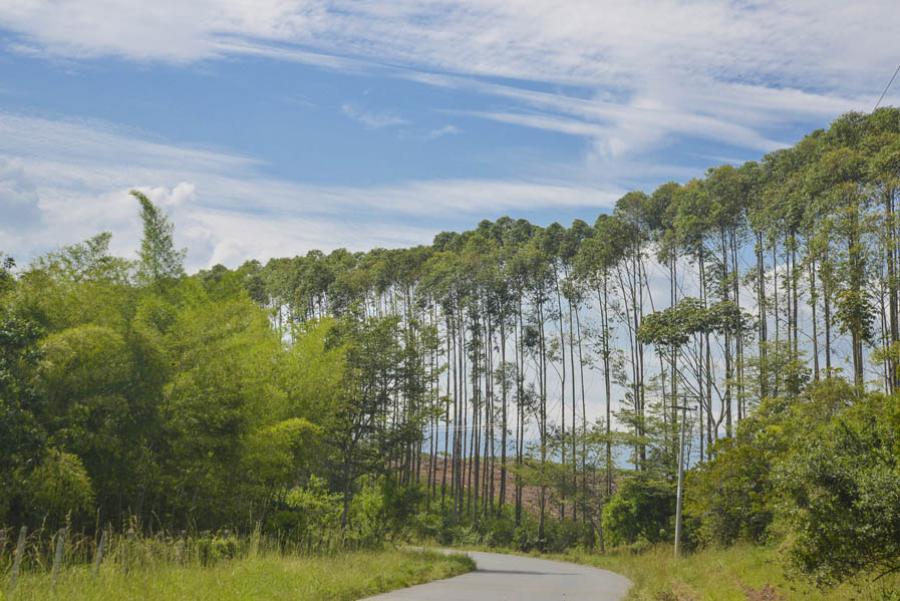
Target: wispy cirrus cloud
x: 373, y: 119
x: 633, y: 74
x: 74, y: 178
x: 582, y: 42
x: 18, y: 197
x: 627, y: 77
x: 440, y: 132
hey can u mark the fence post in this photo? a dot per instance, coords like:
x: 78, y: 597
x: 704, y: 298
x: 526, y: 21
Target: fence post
x: 129, y: 542
x: 179, y: 551
x: 254, y: 541
x: 98, y: 557
x: 58, y: 556
x: 17, y: 559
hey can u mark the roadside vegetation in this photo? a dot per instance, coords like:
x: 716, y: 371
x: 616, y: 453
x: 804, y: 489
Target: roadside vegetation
x: 221, y: 569
x: 515, y: 386
x: 743, y: 572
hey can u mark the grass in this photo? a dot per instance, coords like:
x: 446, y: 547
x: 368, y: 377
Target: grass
x: 739, y: 573
x: 743, y: 572
x: 269, y: 576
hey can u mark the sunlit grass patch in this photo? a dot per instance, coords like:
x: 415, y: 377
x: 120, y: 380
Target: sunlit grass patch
x: 269, y: 576
x: 738, y: 573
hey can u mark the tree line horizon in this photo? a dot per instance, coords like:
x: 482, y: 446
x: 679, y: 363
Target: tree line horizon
x: 517, y: 306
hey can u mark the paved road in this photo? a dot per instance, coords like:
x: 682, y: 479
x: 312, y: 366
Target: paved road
x: 512, y: 578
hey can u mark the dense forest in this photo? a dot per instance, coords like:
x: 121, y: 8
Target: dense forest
x: 513, y: 385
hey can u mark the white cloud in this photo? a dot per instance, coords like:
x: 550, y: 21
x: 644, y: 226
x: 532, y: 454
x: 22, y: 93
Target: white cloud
x: 19, y: 206
x: 373, y: 119
x: 821, y: 43
x: 630, y: 76
x: 546, y: 122
x: 440, y: 132
x: 725, y: 112
x: 183, y: 193
x: 225, y: 207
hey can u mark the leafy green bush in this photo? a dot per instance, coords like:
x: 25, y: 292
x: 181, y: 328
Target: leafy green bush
x: 312, y: 514
x: 60, y: 485
x: 401, y: 504
x: 500, y: 530
x: 367, y: 525
x: 427, y: 525
x: 642, y: 508
x: 734, y: 496
x: 214, y: 547
x: 842, y: 489
x: 526, y: 537
x: 729, y: 498
x: 560, y: 535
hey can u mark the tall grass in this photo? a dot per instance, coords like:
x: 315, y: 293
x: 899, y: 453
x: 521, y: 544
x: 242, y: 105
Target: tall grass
x: 738, y: 573
x: 211, y: 565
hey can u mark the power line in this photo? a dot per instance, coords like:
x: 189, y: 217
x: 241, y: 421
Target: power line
x: 888, y: 87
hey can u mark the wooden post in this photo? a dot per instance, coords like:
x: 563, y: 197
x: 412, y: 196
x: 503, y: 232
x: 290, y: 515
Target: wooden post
x: 17, y: 559
x: 179, y: 551
x: 128, y: 545
x: 98, y: 556
x: 254, y: 540
x: 58, y: 556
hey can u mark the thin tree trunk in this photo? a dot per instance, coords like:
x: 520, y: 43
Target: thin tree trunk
x: 503, y: 418
x: 813, y: 303
x: 763, y: 325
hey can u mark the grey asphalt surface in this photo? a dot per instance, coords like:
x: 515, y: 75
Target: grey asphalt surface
x: 512, y: 578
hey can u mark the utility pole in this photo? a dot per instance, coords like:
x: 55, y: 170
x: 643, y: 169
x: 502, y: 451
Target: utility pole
x: 679, y: 492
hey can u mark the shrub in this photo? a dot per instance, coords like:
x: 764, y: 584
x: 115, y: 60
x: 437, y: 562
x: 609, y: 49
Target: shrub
x: 728, y: 498
x: 561, y: 535
x: 367, y: 514
x: 401, y: 503
x: 526, y: 537
x: 842, y: 490
x: 501, y: 530
x: 642, y: 508
x: 733, y: 496
x: 60, y: 485
x: 312, y: 515
x: 212, y: 548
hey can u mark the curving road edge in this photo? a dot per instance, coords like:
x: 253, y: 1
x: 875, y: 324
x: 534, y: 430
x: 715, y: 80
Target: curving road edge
x: 514, y: 578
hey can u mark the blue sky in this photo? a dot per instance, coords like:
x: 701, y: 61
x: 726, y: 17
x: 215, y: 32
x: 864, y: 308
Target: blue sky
x: 270, y: 127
